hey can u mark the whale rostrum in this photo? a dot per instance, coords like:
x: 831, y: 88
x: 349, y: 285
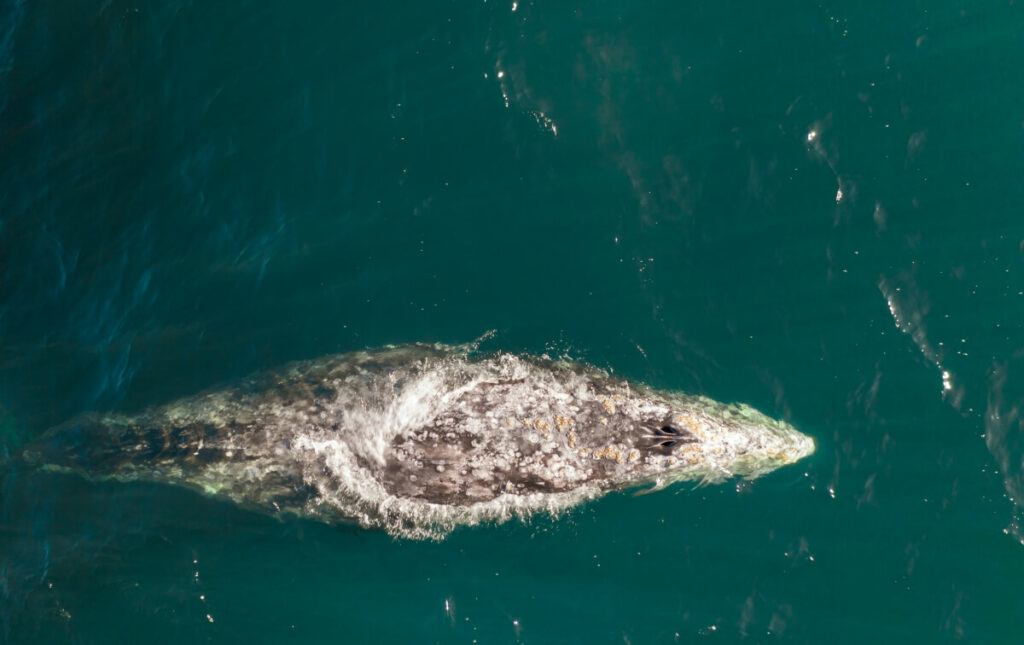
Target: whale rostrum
x: 419, y: 439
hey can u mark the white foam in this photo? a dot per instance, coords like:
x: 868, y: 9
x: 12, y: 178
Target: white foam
x: 349, y: 488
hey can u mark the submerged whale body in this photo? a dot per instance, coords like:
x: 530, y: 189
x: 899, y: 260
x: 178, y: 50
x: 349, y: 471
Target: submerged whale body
x: 420, y: 439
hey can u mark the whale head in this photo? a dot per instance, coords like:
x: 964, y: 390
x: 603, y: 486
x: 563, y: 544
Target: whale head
x: 670, y: 437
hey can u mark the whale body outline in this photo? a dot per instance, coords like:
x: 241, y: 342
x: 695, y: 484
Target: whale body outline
x: 419, y: 439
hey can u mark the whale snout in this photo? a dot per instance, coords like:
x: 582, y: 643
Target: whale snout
x: 804, y: 446
x: 784, y: 446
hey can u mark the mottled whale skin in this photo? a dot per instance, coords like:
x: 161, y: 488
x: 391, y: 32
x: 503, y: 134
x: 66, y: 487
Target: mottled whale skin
x: 419, y: 439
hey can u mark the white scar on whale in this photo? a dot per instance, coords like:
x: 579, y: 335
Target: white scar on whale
x: 420, y: 439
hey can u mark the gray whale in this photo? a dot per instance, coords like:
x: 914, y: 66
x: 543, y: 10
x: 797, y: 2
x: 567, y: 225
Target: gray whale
x: 419, y: 439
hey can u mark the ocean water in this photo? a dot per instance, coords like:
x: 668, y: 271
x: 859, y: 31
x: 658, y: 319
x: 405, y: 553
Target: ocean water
x: 811, y: 207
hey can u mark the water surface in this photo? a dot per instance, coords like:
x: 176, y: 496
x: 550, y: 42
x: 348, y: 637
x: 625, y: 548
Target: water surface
x: 813, y: 208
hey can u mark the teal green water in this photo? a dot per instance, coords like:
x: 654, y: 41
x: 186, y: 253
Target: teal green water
x: 811, y: 207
